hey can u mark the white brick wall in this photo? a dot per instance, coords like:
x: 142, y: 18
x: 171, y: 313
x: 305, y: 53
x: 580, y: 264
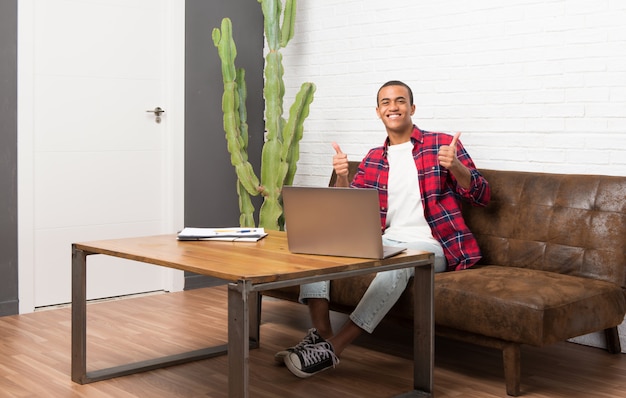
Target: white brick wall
x: 534, y: 85
x: 537, y: 85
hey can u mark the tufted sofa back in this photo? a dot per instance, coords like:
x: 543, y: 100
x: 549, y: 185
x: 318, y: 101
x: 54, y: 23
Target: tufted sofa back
x: 565, y: 223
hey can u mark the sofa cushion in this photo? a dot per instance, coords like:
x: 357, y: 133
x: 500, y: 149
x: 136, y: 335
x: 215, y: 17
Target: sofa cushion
x: 491, y: 301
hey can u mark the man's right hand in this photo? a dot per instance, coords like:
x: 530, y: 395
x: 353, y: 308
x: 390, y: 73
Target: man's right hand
x: 340, y: 165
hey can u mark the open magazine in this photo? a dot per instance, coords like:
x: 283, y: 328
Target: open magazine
x: 223, y: 234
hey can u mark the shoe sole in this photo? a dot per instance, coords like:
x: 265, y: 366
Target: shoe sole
x: 280, y: 356
x: 297, y: 372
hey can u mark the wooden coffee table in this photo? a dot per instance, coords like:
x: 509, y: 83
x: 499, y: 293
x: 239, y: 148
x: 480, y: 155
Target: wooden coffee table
x: 249, y: 268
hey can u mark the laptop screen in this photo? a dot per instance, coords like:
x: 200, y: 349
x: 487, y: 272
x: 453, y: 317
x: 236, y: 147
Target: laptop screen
x: 333, y: 221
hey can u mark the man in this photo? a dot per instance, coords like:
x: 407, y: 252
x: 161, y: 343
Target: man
x: 420, y: 177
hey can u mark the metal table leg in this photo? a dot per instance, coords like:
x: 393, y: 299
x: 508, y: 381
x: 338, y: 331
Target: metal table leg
x: 423, y: 333
x: 79, y: 316
x: 238, y: 339
x: 79, y: 336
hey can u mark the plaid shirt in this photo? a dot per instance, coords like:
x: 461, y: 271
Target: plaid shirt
x: 441, y: 194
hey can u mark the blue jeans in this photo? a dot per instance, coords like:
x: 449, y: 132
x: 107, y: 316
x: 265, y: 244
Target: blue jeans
x: 384, y: 290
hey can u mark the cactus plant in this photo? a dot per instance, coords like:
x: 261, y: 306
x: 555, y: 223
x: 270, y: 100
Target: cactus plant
x: 280, y: 152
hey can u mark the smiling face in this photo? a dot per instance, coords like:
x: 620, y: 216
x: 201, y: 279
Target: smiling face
x: 395, y: 110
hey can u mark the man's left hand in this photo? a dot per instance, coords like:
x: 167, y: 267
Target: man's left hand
x: 447, y: 153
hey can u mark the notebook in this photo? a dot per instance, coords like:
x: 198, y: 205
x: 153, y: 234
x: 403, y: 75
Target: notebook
x: 334, y: 221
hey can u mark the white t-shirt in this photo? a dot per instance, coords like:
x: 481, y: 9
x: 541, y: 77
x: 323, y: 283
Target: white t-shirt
x: 405, y: 212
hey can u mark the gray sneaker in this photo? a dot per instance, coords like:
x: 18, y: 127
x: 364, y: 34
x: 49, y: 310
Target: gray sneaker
x: 307, y: 360
x: 312, y: 337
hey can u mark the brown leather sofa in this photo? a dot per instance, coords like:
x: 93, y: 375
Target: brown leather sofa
x: 553, y: 267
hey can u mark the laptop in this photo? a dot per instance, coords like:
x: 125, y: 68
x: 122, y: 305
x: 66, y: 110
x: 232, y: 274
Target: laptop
x: 334, y: 221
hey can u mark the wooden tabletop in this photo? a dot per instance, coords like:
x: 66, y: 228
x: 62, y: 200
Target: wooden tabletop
x: 267, y: 260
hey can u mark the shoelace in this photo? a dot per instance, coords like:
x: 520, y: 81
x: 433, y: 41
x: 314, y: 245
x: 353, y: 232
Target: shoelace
x: 315, y: 353
x: 310, y: 338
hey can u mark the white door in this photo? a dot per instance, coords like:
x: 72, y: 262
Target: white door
x: 93, y: 163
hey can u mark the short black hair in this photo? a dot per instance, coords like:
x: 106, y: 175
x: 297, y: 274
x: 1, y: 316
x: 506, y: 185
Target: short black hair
x: 396, y: 83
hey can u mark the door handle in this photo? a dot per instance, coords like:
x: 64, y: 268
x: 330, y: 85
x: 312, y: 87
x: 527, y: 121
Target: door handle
x: 158, y: 111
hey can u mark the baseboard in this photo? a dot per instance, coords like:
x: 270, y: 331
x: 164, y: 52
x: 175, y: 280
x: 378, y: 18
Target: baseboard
x: 9, y: 307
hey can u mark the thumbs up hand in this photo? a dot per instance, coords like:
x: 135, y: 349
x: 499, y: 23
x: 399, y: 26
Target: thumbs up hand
x: 340, y: 161
x: 447, y: 153
x: 340, y: 165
